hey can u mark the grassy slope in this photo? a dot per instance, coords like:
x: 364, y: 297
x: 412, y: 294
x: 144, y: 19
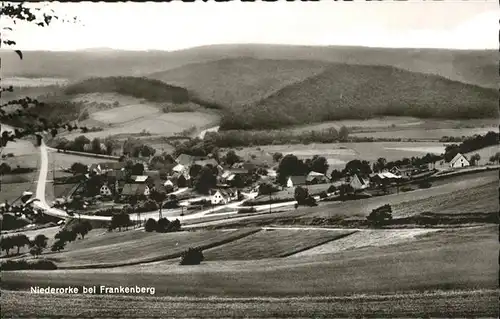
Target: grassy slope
x: 477, y: 67
x: 138, y: 246
x: 434, y: 262
x: 272, y: 244
x: 349, y: 91
x: 239, y: 81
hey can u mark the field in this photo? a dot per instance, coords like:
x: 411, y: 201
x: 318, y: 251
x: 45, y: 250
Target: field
x: 457, y: 304
x: 132, y: 247
x: 365, y: 239
x: 17, y: 82
x: 10, y: 192
x: 272, y: 244
x: 338, y: 154
x: 434, y: 262
x: 430, y: 134
x: 160, y: 124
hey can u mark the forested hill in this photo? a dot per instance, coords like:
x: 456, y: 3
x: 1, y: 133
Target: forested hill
x: 356, y: 91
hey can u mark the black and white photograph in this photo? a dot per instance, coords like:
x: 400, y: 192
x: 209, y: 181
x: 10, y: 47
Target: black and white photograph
x: 249, y: 159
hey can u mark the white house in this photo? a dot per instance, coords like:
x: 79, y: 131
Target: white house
x: 359, y: 183
x: 223, y: 196
x: 179, y: 168
x: 459, y: 161
x: 105, y: 190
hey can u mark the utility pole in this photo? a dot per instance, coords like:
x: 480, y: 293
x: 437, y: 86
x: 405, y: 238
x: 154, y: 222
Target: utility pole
x: 269, y: 203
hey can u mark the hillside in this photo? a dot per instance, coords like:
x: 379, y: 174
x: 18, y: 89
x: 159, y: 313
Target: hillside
x: 239, y: 80
x: 356, y: 91
x: 475, y: 67
x: 152, y: 90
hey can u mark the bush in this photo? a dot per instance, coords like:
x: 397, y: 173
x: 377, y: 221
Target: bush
x: 150, y: 225
x: 24, y: 265
x: 58, y: 245
x: 331, y: 189
x: 323, y: 194
x: 380, y: 215
x: 162, y: 225
x: 193, y: 256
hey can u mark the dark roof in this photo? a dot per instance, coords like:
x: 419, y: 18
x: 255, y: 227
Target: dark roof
x: 298, y: 180
x: 133, y: 189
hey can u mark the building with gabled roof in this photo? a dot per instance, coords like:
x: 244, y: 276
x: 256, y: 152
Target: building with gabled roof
x: 294, y: 181
x: 135, y: 190
x: 359, y: 183
x: 459, y: 161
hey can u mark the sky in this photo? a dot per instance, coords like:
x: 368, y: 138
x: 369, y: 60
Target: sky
x: 176, y: 25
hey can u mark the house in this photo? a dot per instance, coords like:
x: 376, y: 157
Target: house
x: 135, y: 190
x: 359, y: 183
x: 404, y: 171
x: 179, y: 168
x: 185, y: 160
x: 105, y: 190
x: 459, y: 161
x: 205, y: 162
x: 106, y: 167
x: 316, y: 178
x: 223, y: 196
x: 296, y: 181
x: 384, y: 178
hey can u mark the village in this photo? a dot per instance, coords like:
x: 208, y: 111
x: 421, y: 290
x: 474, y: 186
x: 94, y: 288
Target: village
x: 191, y: 184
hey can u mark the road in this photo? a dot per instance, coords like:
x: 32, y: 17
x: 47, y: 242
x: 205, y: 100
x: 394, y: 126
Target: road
x: 42, y: 202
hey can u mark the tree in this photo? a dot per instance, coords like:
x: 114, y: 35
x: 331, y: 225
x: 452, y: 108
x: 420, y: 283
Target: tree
x: 7, y: 244
x: 158, y: 197
x: 495, y: 158
x: 290, y: 165
x: 137, y: 169
x: 40, y: 241
x: 32, y: 122
x: 96, y: 145
x: 58, y: 245
x: 231, y: 158
x: 277, y: 157
x: 36, y: 251
x: 343, y: 133
x: 80, y: 142
x: 194, y: 171
x: 150, y: 225
x: 83, y: 228
x: 301, y: 194
x: 206, y: 180
x: 268, y: 188
x: 357, y: 167
x: 474, y: 159
x: 335, y: 175
x: 120, y: 220
x: 380, y: 164
x: 162, y: 225
x: 319, y: 164
x: 79, y: 168
x: 20, y: 240
x: 193, y: 256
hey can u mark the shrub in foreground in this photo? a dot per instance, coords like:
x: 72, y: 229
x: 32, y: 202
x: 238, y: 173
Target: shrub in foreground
x: 193, y: 256
x: 380, y: 215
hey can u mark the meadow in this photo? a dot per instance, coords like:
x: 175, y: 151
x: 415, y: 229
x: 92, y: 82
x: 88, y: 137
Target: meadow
x: 431, y: 263
x: 338, y: 154
x: 273, y: 244
x: 139, y: 247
